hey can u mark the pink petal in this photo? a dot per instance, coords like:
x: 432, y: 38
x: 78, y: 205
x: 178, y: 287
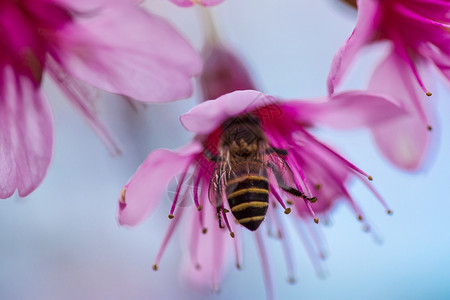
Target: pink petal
x: 189, y: 3
x: 26, y: 139
x: 364, y: 31
x: 404, y: 141
x: 88, y: 6
x: 142, y: 56
x: 81, y: 96
x: 145, y: 189
x: 207, y: 116
x: 347, y: 110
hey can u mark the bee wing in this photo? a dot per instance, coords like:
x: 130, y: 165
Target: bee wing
x: 217, y: 185
x: 282, y: 172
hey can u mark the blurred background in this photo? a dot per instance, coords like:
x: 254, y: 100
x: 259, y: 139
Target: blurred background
x: 63, y: 241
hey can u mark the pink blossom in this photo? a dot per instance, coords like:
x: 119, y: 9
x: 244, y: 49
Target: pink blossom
x: 304, y: 174
x: 418, y: 35
x: 189, y: 3
x: 223, y: 72
x: 109, y: 44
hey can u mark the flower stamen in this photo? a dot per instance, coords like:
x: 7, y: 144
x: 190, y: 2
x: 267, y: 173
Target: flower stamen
x: 167, y: 237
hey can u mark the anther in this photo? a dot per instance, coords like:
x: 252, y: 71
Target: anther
x: 318, y: 186
x: 197, y: 266
x: 370, y: 178
x: 291, y: 280
x: 287, y: 210
x: 205, y: 230
x: 289, y: 202
x: 429, y: 94
x: 316, y: 220
x: 312, y: 199
x: 122, y: 195
x: 226, y: 210
x: 171, y: 216
x: 389, y: 212
x: 200, y: 207
x: 429, y: 128
x: 155, y: 267
x: 238, y: 266
x: 232, y: 234
x: 360, y: 218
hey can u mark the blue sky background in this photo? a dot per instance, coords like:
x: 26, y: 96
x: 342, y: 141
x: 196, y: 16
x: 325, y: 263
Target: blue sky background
x: 63, y: 242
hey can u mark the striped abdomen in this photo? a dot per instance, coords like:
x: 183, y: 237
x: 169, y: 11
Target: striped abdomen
x: 248, y: 197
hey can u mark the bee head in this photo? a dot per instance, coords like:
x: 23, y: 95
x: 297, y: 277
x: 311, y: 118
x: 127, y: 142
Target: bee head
x: 240, y: 134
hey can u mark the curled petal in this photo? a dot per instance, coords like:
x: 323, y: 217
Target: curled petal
x: 26, y: 135
x: 347, y: 110
x: 143, y: 192
x: 144, y: 58
x: 364, y: 31
x: 207, y: 116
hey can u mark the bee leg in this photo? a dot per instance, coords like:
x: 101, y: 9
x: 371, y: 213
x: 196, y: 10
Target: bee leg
x: 299, y: 194
x: 219, y: 217
x: 281, y: 152
x: 211, y: 157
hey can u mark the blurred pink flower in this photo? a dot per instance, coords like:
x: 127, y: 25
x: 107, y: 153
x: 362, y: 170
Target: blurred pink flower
x: 109, y: 44
x: 418, y: 35
x: 189, y: 3
x: 223, y: 72
x: 307, y: 171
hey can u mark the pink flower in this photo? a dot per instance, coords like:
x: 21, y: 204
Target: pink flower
x: 418, y: 35
x: 189, y: 3
x: 223, y: 72
x: 248, y: 143
x: 109, y: 44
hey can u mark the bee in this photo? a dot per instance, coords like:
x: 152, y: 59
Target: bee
x: 242, y: 170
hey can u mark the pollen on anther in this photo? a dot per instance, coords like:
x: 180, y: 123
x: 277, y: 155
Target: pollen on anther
x: 287, y: 211
x: 312, y: 199
x: 316, y: 220
x: 205, y: 230
x: 370, y: 178
x: 155, y: 267
x: 232, y: 234
x: 171, y: 216
x: 200, y: 207
x: 429, y: 94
